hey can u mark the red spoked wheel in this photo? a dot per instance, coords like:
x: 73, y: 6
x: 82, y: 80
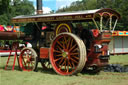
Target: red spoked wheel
x: 28, y: 59
x: 67, y: 54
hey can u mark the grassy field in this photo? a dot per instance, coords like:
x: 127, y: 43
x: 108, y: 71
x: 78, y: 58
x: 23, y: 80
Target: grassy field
x: 49, y: 77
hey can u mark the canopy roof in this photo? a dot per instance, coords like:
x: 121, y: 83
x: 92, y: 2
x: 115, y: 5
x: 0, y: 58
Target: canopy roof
x: 67, y: 16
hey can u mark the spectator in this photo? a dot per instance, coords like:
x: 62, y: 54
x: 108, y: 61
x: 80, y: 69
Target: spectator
x: 28, y: 44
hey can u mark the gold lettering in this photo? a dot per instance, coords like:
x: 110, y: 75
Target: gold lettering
x: 64, y: 18
x: 78, y: 17
x: 88, y: 16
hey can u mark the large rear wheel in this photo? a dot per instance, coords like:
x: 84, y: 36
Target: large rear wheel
x: 67, y: 54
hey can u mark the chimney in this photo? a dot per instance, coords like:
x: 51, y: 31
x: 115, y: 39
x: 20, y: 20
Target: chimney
x: 39, y: 7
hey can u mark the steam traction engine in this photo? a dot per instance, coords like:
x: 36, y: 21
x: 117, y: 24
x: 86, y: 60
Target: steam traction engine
x: 63, y: 41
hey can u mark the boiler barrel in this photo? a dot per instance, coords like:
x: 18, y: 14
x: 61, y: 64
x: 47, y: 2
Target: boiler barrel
x: 11, y: 35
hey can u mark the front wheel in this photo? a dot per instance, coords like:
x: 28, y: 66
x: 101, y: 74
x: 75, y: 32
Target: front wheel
x: 67, y: 54
x: 28, y: 59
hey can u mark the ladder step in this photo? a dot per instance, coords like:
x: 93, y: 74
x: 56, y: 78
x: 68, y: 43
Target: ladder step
x: 10, y: 65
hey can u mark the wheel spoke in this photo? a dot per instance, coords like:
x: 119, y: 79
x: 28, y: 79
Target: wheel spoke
x: 76, y: 49
x: 28, y: 59
x: 69, y: 39
x: 73, y: 64
x: 74, y: 60
x: 31, y: 63
x: 59, y: 55
x: 71, y: 42
x: 31, y: 59
x: 63, y: 44
x: 28, y: 65
x: 65, y: 40
x: 59, y: 48
x: 24, y: 62
x: 63, y: 63
x: 57, y: 51
x: 76, y: 57
x: 68, y: 66
x: 61, y: 60
x: 72, y: 48
x: 60, y: 44
x: 58, y: 59
x: 24, y: 55
x: 74, y: 53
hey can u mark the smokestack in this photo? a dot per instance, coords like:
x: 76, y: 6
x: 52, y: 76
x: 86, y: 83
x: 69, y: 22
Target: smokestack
x: 39, y: 7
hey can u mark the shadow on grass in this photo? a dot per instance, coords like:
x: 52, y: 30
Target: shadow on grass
x: 10, y: 68
x: 126, y: 66
x: 39, y: 69
x: 89, y: 72
x: 47, y: 71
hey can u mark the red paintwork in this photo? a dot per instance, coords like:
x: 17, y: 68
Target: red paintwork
x: 9, y: 59
x: 109, y: 36
x: 93, y: 58
x: 14, y: 49
x: 53, y: 58
x: 106, y: 35
x: 25, y: 60
x: 4, y: 51
x: 44, y: 52
x: 95, y: 32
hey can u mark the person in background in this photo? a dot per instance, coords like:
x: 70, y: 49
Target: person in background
x: 28, y: 44
x: 7, y: 46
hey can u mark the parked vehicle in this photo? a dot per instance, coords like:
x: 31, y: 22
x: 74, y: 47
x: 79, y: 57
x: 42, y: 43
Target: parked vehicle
x: 65, y: 43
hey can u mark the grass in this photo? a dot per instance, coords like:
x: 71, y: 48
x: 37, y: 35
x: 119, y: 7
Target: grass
x: 119, y: 59
x: 49, y: 77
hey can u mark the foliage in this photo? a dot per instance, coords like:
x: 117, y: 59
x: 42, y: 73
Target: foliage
x: 120, y: 6
x: 13, y: 8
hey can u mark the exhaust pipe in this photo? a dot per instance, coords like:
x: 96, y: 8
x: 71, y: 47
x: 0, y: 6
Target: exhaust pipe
x: 39, y: 7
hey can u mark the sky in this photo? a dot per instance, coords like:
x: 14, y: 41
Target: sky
x: 49, y: 5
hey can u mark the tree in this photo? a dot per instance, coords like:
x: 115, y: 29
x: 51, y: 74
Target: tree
x: 13, y: 8
x: 24, y: 7
x: 120, y: 6
x: 4, y: 5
